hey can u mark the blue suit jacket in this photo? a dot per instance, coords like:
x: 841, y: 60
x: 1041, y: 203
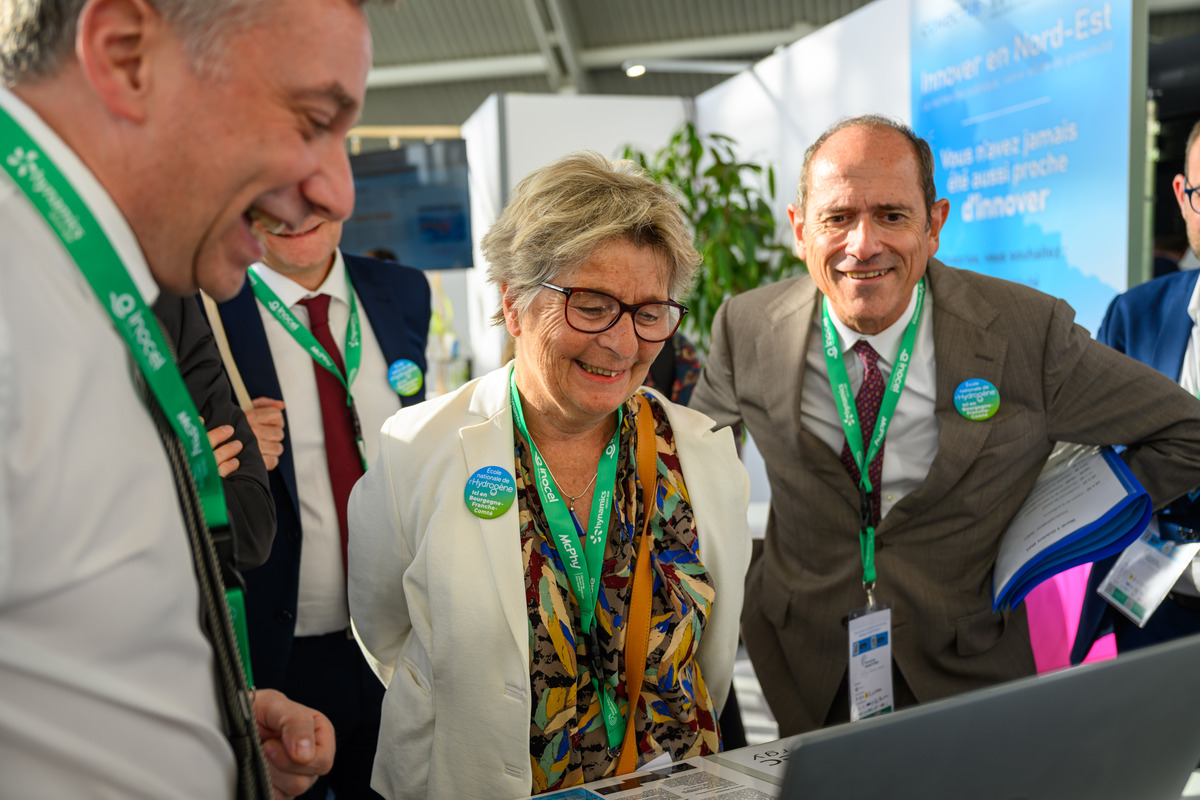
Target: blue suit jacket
x: 1149, y: 322
x: 396, y: 303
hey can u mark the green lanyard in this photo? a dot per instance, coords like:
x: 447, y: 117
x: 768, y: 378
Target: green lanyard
x: 32, y: 170
x: 583, y: 572
x: 305, y: 339
x: 843, y: 398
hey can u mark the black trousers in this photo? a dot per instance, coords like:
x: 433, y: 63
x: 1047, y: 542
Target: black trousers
x: 330, y: 674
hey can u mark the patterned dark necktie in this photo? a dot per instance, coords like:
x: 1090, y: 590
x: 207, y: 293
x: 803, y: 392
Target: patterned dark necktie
x: 341, y: 443
x: 867, y: 402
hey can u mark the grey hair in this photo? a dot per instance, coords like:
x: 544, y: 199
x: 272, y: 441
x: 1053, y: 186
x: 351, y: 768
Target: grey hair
x: 559, y: 214
x: 37, y: 35
x: 920, y: 147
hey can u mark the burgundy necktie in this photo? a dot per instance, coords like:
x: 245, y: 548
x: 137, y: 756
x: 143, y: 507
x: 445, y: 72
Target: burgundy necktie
x: 866, y: 402
x: 341, y: 445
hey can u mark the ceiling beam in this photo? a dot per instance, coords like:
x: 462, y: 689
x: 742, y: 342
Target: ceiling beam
x: 711, y: 47
x: 577, y: 61
x: 568, y: 44
x: 597, y: 58
x: 543, y: 33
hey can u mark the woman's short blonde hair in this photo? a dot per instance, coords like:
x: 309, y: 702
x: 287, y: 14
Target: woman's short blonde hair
x: 560, y: 213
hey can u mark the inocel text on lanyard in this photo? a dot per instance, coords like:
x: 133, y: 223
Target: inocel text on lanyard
x: 32, y: 170
x: 305, y: 339
x: 843, y: 397
x: 583, y: 570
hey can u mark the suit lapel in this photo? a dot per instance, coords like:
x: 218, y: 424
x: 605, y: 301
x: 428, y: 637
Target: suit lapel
x: 378, y: 303
x: 391, y: 315
x: 1174, y: 331
x: 781, y: 351
x: 822, y: 463
x: 964, y: 349
x: 489, y: 444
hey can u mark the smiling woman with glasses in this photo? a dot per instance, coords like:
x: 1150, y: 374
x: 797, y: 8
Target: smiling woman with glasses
x: 546, y: 566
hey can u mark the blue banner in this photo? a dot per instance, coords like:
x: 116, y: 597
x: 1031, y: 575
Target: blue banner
x: 1026, y: 106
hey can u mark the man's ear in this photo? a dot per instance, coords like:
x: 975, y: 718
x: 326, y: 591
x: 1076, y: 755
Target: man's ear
x: 115, y: 42
x: 937, y: 218
x: 1178, y: 185
x: 796, y: 221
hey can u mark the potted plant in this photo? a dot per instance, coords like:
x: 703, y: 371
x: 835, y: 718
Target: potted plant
x: 728, y: 203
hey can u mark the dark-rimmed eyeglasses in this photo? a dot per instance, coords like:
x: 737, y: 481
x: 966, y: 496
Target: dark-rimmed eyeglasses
x: 1191, y: 196
x: 590, y: 311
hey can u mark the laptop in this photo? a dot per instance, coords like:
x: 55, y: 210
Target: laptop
x: 1124, y: 729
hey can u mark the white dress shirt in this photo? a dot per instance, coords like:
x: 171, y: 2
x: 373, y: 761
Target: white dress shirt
x: 1189, y: 374
x: 911, y: 442
x: 106, y: 680
x: 321, y: 606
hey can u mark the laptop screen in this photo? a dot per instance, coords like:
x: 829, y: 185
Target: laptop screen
x: 1125, y: 729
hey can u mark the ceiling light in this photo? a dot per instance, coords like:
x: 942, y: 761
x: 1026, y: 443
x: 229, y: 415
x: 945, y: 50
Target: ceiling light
x: 636, y: 68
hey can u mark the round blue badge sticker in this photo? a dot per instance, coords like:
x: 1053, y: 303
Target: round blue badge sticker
x: 976, y: 399
x: 405, y: 377
x: 490, y: 491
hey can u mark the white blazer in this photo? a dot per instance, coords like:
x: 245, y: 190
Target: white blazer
x: 437, y: 595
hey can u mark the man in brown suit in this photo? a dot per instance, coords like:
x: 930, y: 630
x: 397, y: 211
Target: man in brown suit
x: 945, y: 486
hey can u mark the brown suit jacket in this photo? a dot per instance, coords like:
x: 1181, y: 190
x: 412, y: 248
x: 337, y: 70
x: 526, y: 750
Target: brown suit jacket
x: 936, y: 547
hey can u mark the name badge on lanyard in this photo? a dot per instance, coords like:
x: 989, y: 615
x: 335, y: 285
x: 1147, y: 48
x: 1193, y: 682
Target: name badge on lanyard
x: 870, y: 678
x: 1145, y: 573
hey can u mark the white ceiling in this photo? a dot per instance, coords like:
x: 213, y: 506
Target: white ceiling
x: 437, y: 60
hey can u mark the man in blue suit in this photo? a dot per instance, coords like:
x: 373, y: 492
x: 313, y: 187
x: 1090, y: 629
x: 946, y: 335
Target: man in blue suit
x: 1158, y: 323
x: 329, y: 346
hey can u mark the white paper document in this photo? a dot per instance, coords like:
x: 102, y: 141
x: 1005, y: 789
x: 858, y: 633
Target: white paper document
x: 744, y: 774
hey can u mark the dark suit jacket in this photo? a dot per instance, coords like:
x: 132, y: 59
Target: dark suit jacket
x: 935, y: 549
x: 396, y: 303
x: 1149, y: 322
x: 247, y: 498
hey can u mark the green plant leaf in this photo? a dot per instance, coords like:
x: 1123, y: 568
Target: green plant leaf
x: 728, y: 204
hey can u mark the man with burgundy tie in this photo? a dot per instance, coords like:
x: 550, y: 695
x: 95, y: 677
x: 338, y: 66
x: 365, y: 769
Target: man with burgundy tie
x: 953, y: 387
x: 310, y: 322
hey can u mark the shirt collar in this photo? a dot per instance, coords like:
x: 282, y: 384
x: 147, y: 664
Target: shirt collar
x: 98, y: 200
x: 291, y: 293
x: 887, y: 342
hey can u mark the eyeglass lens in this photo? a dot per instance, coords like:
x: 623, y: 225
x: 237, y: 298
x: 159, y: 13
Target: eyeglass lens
x: 591, y: 312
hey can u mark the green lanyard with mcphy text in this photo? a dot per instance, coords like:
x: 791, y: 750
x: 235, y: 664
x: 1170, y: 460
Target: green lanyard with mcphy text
x: 843, y: 397
x: 582, y: 572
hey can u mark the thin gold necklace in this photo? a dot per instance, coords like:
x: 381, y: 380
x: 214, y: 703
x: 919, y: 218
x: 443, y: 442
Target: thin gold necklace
x: 571, y: 500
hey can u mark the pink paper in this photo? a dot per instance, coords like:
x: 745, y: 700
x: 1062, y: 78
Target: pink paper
x: 1053, y: 608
